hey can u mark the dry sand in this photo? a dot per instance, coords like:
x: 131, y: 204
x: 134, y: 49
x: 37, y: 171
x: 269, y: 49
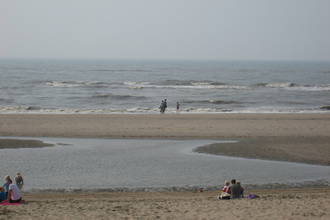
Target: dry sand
x: 292, y: 137
x: 306, y: 204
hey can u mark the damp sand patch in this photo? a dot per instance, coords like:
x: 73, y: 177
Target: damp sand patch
x: 22, y: 143
x: 310, y: 150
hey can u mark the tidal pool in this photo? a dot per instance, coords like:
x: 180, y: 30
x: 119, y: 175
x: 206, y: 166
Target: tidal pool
x: 93, y: 164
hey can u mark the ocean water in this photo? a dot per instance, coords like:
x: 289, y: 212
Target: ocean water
x: 110, y: 86
x: 135, y: 165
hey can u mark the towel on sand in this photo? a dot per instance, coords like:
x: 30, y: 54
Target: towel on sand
x: 16, y: 203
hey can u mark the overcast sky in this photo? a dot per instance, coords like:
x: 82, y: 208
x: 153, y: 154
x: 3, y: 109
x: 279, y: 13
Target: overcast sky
x: 166, y: 29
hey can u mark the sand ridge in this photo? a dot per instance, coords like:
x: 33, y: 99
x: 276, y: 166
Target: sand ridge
x: 165, y: 126
x: 311, y: 150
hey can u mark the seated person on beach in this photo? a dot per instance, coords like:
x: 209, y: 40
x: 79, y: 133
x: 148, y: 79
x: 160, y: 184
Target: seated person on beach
x: 6, y: 185
x: 3, y: 195
x: 241, y: 190
x: 236, y: 190
x: 19, y: 181
x: 14, y: 195
x: 226, y: 187
x: 225, y: 191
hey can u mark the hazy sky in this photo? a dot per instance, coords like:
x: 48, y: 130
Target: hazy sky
x: 166, y: 29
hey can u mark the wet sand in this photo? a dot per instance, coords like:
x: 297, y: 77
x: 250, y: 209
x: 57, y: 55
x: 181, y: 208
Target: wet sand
x: 311, y: 150
x: 289, y: 137
x: 21, y: 143
x: 202, y: 126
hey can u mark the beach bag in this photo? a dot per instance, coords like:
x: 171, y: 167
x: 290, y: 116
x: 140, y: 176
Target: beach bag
x: 224, y: 196
x: 252, y: 196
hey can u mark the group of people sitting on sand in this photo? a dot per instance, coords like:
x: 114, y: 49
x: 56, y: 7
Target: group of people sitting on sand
x: 232, y: 190
x: 11, y: 191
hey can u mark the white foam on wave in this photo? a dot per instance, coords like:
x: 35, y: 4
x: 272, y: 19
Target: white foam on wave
x: 191, y: 85
x: 311, y: 88
x: 294, y: 86
x: 272, y: 109
x: 141, y: 85
x: 207, y: 85
x: 279, y: 85
x: 62, y: 84
x: 68, y: 84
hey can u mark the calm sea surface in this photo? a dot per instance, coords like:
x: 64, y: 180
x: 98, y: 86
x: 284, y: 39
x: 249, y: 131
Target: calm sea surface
x: 114, y: 164
x: 101, y: 86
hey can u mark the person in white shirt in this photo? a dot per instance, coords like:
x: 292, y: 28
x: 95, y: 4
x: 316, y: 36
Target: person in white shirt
x: 14, y: 195
x: 19, y: 181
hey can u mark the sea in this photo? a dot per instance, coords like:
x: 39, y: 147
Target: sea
x: 139, y: 86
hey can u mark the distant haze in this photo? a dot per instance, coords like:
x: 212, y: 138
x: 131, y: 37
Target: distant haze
x: 166, y: 29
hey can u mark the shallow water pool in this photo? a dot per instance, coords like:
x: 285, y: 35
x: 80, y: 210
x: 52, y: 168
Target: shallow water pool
x: 90, y: 164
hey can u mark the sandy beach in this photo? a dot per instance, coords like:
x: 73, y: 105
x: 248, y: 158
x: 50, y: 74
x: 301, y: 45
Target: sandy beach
x: 311, y: 203
x: 198, y: 126
x: 290, y: 137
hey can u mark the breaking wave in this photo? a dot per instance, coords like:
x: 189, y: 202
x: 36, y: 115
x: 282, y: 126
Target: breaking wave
x: 211, y: 101
x: 118, y: 97
x: 191, y: 84
x: 68, y: 84
x: 277, y: 85
x: 294, y: 86
x: 187, y: 84
x: 182, y: 84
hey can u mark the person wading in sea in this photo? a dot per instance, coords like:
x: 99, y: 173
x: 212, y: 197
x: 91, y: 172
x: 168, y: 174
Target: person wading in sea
x: 163, y: 106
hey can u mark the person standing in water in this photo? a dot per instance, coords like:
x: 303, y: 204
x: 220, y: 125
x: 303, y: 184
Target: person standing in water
x: 163, y: 106
x: 177, y: 106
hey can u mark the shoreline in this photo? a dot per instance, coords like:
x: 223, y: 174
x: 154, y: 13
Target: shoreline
x: 172, y: 189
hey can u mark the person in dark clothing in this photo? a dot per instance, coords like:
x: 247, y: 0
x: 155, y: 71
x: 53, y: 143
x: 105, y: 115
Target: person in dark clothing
x: 236, y: 190
x: 177, y: 106
x: 162, y: 107
x: 165, y: 105
x: 241, y: 190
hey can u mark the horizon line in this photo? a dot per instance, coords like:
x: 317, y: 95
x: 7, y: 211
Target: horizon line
x: 165, y: 59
